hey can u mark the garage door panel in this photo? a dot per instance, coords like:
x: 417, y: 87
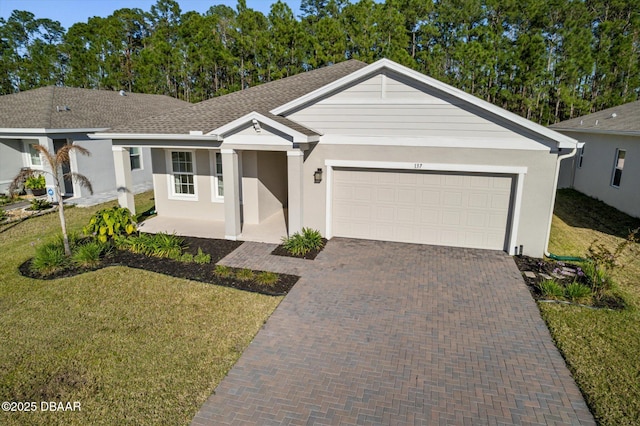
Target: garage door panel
x: 452, y: 199
x: 467, y: 210
x: 406, y: 215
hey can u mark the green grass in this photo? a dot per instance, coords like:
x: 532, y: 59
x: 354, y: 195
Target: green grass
x: 133, y: 347
x: 602, y: 347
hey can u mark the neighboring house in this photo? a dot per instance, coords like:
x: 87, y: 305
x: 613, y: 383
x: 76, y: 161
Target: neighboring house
x: 53, y: 116
x: 363, y: 151
x: 607, y: 166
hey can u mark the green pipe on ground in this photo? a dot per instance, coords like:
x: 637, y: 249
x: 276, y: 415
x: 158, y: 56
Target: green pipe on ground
x: 565, y: 258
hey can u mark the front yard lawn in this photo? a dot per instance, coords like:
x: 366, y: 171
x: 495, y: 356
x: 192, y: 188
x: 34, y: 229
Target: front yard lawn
x: 601, y: 347
x: 131, y: 346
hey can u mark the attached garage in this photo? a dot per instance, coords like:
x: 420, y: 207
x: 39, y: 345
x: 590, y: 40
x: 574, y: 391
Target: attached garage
x: 451, y: 209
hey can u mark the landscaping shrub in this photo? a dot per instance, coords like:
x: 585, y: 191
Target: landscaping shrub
x: 75, y: 239
x: 267, y: 278
x: 88, y: 255
x: 186, y: 258
x: 108, y: 223
x: 551, y: 289
x: 39, y: 204
x: 3, y: 215
x: 202, y: 258
x: 245, y: 274
x: 4, y: 199
x: 158, y: 245
x: 577, y: 292
x: 300, y: 244
x: 49, y: 259
x: 222, y: 271
x: 165, y: 245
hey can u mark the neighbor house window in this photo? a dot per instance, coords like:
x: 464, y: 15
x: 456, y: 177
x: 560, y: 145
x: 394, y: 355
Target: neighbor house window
x: 617, y: 167
x: 34, y: 155
x: 183, y: 173
x: 135, y: 158
x: 581, y: 157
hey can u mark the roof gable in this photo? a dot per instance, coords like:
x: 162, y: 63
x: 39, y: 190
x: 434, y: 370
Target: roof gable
x: 440, y: 90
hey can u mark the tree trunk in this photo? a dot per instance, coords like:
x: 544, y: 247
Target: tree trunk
x: 63, y: 222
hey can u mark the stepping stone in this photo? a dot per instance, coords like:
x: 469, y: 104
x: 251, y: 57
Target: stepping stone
x: 546, y: 277
x: 529, y: 274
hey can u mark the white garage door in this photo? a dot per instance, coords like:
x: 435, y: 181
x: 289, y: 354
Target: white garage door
x: 451, y: 209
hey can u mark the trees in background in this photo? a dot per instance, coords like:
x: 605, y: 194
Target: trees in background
x: 546, y: 60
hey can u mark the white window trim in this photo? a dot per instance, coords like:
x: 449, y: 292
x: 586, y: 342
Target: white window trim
x: 171, y: 194
x: 517, y: 172
x: 27, y: 148
x: 214, y: 178
x: 140, y: 156
x: 581, y: 157
x: 615, y: 167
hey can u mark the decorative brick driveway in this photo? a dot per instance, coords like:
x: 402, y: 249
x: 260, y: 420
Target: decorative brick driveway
x: 390, y: 333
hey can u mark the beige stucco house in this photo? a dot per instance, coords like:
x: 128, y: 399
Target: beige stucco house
x: 354, y: 150
x: 607, y: 165
x: 54, y: 116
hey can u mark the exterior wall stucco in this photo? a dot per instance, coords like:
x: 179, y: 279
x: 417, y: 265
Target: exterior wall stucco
x: 537, y: 190
x: 202, y: 208
x: 11, y: 160
x: 594, y: 177
x: 99, y: 167
x: 272, y: 183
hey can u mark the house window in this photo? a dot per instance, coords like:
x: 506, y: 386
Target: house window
x: 135, y: 158
x: 34, y: 155
x: 183, y: 173
x: 580, y: 158
x: 617, y: 167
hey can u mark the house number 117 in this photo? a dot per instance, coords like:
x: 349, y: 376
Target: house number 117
x: 417, y: 165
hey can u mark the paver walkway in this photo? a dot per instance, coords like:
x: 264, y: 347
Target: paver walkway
x: 390, y: 333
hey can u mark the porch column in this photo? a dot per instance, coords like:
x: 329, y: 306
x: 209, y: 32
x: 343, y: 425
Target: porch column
x: 124, y: 181
x: 47, y: 143
x: 231, y: 178
x: 295, y: 160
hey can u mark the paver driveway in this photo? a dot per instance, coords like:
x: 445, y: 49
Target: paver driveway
x: 390, y: 333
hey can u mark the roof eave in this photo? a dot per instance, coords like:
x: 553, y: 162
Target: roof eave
x: 157, y: 136
x: 600, y: 131
x: 43, y: 131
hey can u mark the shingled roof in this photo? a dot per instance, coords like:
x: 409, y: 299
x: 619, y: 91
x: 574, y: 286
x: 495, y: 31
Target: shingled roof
x: 211, y: 114
x: 622, y: 119
x: 55, y: 107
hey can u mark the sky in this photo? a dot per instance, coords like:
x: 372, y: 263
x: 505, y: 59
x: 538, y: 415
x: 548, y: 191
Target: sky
x: 68, y: 12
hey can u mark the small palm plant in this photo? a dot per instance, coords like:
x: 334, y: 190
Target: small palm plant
x: 54, y: 162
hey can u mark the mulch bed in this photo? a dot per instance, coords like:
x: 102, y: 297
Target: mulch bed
x: 217, y: 249
x: 281, y: 251
x: 550, y: 267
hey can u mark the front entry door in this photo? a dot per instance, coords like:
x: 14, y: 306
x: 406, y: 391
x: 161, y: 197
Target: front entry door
x: 66, y: 168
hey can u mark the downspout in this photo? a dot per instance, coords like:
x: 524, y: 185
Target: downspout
x: 555, y: 188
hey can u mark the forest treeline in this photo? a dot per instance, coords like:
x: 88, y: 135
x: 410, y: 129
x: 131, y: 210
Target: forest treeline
x: 546, y: 60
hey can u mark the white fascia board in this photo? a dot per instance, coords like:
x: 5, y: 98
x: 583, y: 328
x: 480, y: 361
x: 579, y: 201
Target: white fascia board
x: 159, y: 136
x: 378, y: 66
x: 247, y: 119
x: 17, y: 131
x: 601, y: 132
